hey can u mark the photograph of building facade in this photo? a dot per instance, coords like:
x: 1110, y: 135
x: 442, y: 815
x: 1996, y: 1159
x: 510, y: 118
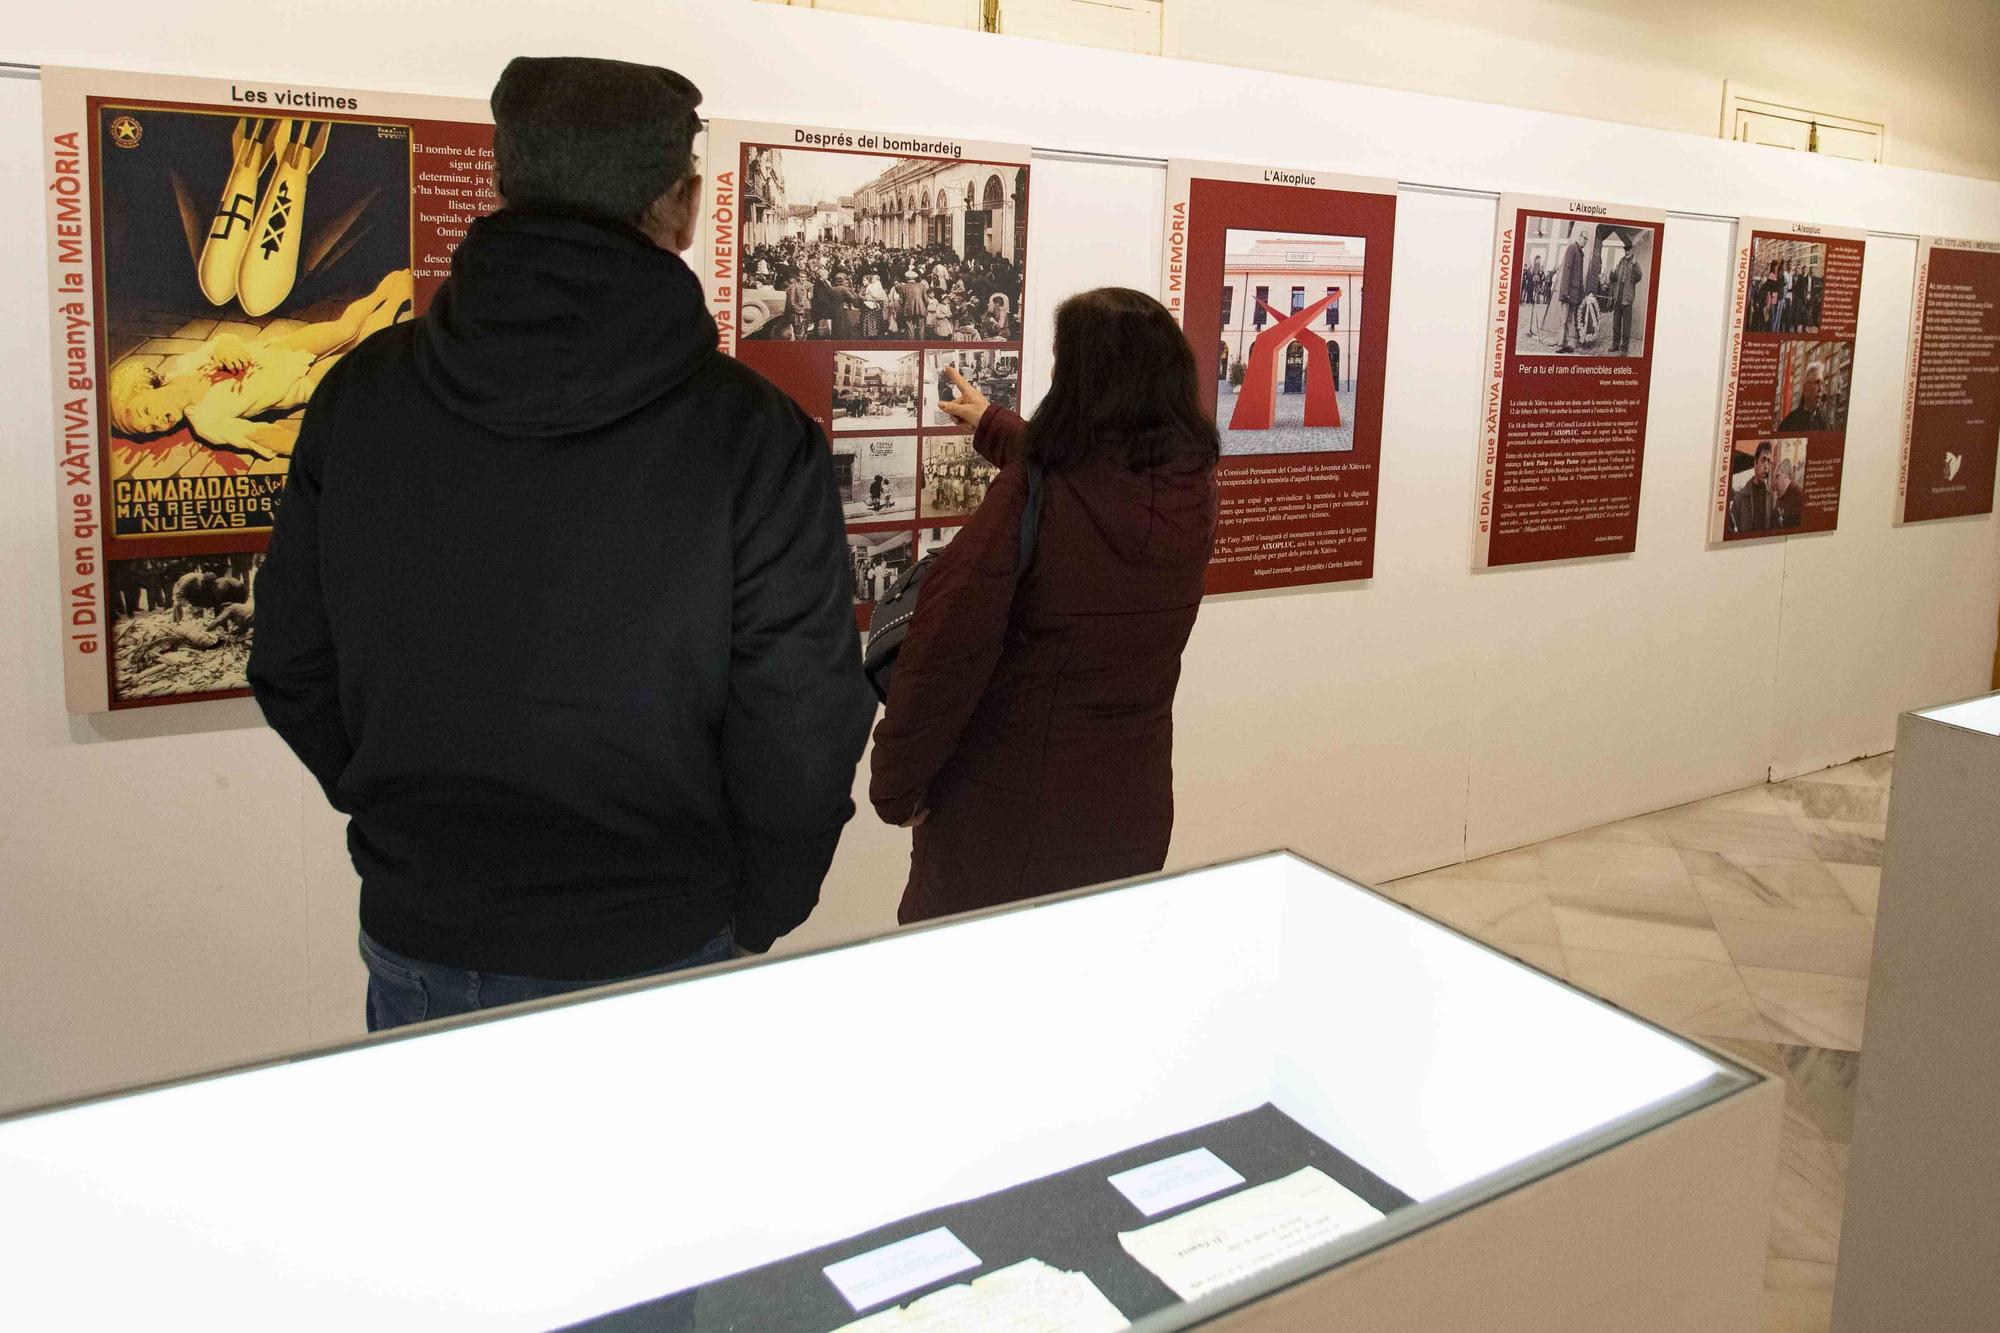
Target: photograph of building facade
x: 906, y: 204
x: 876, y: 478
x: 771, y: 217
x: 1287, y: 273
x: 875, y: 390
x: 973, y: 207
x: 764, y: 203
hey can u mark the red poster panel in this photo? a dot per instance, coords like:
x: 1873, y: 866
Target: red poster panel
x: 1280, y: 278
x: 1781, y: 446
x: 1569, y: 376
x: 215, y: 248
x: 1951, y: 392
x: 852, y: 268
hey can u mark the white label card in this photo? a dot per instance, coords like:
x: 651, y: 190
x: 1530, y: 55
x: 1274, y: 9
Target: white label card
x: 1029, y: 1297
x: 1173, y: 1181
x: 884, y: 1274
x: 1220, y: 1243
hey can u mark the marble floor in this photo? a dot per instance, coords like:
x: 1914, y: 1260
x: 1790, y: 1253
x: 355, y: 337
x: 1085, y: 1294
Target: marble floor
x: 1746, y: 920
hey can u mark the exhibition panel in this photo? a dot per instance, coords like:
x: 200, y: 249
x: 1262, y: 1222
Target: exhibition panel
x: 1951, y: 394
x: 1221, y: 1082
x: 214, y: 249
x: 1280, y: 277
x: 1576, y: 285
x: 856, y: 268
x: 1782, y: 442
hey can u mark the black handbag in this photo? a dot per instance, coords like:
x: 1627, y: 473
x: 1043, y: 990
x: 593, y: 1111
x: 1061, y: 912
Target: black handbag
x: 890, y: 623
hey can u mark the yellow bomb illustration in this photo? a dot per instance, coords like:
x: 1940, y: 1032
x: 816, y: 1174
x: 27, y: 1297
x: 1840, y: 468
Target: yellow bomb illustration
x: 270, y: 263
x: 251, y: 145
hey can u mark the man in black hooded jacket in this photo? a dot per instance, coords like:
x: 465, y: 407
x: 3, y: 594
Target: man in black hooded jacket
x: 556, y: 605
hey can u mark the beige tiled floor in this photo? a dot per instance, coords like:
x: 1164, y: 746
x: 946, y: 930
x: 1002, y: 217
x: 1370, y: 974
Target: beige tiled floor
x: 1746, y: 920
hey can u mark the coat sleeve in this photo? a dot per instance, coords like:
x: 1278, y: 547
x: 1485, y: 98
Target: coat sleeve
x: 1002, y: 438
x: 949, y: 656
x: 799, y: 707
x: 294, y: 671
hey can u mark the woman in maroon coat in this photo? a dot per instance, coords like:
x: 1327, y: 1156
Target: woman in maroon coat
x: 1028, y: 738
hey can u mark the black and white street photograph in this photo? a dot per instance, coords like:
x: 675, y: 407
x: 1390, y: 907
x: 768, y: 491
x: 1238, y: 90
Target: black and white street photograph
x: 879, y: 559
x: 875, y: 391
x: 995, y: 373
x: 877, y: 478
x: 860, y: 247
x: 1582, y: 287
x: 181, y: 624
x: 935, y: 539
x: 956, y: 478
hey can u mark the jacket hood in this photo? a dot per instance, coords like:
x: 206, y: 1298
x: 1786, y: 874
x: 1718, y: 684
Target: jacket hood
x: 553, y: 325
x: 1163, y: 517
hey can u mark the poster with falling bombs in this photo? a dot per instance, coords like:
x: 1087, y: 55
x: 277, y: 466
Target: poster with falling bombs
x: 214, y: 248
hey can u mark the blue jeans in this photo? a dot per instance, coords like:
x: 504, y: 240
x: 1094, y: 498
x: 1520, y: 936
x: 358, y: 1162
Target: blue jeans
x: 402, y: 990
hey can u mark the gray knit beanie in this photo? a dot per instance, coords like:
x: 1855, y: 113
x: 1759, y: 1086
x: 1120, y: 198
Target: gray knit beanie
x: 595, y: 138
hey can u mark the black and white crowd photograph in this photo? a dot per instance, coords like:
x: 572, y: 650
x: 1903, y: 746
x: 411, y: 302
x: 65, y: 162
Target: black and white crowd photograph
x: 997, y: 374
x: 956, y: 478
x: 182, y: 624
x: 855, y: 247
x: 875, y: 391
x: 877, y: 478
x: 879, y: 559
x: 1787, y: 285
x: 1583, y: 287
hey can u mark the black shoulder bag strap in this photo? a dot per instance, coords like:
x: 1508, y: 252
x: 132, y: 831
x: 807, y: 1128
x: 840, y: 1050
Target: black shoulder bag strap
x: 1031, y: 523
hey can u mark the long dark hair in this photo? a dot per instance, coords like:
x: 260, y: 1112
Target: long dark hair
x: 1124, y: 389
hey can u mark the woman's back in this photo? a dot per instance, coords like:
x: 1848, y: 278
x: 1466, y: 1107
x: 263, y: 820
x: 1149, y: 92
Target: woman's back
x: 1029, y: 733
x: 1060, y: 773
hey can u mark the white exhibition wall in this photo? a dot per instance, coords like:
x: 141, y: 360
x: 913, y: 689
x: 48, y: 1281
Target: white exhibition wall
x: 177, y: 894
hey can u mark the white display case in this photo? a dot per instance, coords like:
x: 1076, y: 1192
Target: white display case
x: 1981, y: 714
x: 1920, y: 1236
x: 727, y: 1134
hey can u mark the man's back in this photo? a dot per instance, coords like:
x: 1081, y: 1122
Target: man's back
x: 556, y: 609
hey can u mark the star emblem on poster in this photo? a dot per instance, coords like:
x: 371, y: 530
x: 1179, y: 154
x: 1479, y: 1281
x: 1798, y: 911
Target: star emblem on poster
x: 126, y: 131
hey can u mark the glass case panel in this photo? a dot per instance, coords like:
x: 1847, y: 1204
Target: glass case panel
x: 1184, y: 1089
x: 1981, y: 714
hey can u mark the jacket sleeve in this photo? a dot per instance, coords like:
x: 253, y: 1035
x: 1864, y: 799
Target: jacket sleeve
x: 294, y: 671
x: 799, y: 707
x: 949, y: 656
x: 1002, y: 438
